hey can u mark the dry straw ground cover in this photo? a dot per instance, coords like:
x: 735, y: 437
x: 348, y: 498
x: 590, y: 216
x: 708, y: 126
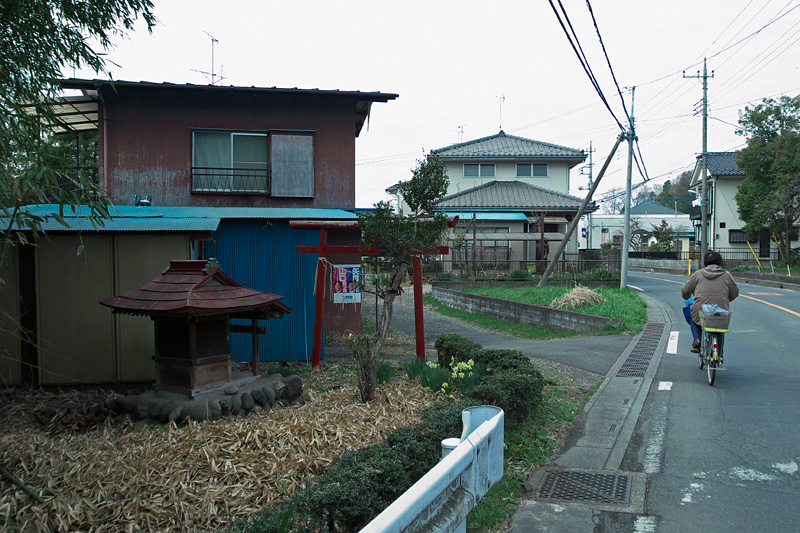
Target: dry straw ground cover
x: 195, y: 477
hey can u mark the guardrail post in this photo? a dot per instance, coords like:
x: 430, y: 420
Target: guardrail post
x: 441, y: 500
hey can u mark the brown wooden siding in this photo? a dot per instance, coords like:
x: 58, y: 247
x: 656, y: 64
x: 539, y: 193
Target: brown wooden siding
x: 146, y: 142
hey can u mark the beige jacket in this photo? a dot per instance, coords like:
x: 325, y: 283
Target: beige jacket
x: 711, y: 285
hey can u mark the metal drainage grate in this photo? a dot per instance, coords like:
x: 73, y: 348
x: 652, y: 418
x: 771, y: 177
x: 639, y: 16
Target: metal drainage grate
x: 592, y: 487
x: 635, y: 366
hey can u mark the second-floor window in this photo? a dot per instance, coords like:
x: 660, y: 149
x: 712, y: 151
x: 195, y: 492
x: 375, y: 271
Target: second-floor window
x: 275, y: 163
x: 532, y: 170
x: 479, y: 170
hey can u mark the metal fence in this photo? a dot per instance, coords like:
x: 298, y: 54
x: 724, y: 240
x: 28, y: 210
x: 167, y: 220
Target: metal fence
x: 483, y: 268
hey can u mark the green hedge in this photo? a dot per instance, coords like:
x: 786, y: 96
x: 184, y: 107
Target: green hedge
x: 451, y: 346
x: 359, y: 484
x: 516, y: 394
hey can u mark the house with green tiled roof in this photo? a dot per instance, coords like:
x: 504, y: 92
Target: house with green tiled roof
x: 511, y: 195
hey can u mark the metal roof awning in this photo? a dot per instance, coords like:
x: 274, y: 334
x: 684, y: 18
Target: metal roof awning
x: 71, y: 114
x: 466, y: 216
x: 548, y: 220
x: 513, y: 236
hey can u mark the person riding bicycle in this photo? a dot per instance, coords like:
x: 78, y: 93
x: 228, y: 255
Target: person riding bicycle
x: 711, y: 285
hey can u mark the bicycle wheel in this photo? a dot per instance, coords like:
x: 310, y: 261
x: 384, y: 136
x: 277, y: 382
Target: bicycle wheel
x: 711, y: 361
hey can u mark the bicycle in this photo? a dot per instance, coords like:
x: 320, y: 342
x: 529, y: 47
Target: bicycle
x: 713, y: 326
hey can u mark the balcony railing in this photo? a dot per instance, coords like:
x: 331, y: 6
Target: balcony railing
x: 230, y: 180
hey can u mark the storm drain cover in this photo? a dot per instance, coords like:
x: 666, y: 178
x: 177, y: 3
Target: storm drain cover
x: 635, y: 366
x: 587, y: 487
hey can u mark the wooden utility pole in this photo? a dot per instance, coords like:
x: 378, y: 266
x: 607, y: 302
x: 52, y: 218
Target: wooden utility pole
x: 704, y: 233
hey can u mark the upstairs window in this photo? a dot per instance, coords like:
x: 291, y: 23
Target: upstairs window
x: 479, y: 170
x: 532, y: 170
x: 280, y: 164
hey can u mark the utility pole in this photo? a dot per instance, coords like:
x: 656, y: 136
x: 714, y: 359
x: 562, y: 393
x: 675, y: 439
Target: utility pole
x: 704, y: 161
x: 626, y: 234
x: 589, y: 216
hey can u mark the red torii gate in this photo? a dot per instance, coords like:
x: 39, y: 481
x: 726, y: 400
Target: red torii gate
x: 323, y: 248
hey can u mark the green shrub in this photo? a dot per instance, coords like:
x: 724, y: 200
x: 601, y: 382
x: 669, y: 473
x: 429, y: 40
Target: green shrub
x: 385, y: 371
x: 444, y: 276
x: 516, y: 394
x: 451, y: 347
x: 499, y: 360
x: 519, y: 274
x: 421, y: 443
x: 430, y: 374
x: 337, y: 500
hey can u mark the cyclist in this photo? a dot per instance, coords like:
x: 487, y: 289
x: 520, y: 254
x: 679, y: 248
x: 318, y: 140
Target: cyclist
x: 711, y: 285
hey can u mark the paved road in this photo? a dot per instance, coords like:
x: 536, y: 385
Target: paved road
x: 595, y: 354
x: 724, y: 457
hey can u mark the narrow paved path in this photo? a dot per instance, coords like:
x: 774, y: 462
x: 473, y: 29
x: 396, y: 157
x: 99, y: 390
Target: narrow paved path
x: 595, y: 354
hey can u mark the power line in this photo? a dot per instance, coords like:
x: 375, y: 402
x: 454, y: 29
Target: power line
x: 582, y: 60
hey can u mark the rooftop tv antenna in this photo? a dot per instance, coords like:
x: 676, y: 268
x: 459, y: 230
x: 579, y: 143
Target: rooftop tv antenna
x: 502, y: 99
x: 213, y: 73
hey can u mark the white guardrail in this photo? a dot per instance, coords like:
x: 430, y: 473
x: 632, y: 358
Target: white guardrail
x: 443, y: 498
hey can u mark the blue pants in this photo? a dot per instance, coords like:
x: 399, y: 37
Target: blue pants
x: 696, y: 332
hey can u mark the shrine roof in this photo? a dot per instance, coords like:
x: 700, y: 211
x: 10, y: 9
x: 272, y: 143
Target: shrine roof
x: 195, y: 288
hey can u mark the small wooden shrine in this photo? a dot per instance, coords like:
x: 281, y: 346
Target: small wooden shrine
x: 191, y: 304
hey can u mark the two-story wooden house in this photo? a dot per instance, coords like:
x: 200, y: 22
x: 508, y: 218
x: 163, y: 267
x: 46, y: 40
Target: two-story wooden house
x: 512, y: 198
x: 196, y: 172
x: 725, y: 233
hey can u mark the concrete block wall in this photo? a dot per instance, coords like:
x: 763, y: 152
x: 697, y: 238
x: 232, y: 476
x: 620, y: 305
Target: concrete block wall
x: 534, y: 315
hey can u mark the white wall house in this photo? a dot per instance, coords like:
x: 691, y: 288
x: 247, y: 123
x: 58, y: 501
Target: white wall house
x: 502, y: 187
x: 725, y: 227
x: 598, y: 230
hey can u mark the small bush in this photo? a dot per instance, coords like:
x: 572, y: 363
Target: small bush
x: 336, y: 498
x: 516, y: 394
x: 385, y: 371
x: 451, y: 347
x: 421, y: 443
x: 444, y: 276
x: 500, y: 360
x: 519, y: 274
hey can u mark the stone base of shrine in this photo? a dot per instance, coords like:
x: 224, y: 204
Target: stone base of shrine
x: 243, y: 395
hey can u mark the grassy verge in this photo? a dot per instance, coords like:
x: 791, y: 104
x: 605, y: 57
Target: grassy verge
x: 618, y: 303
x: 529, y: 444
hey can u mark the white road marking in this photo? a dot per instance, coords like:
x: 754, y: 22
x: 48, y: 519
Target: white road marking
x: 688, y: 496
x: 748, y: 474
x: 644, y: 524
x: 665, y: 385
x: 786, y: 468
x: 672, y: 344
x: 655, y: 444
x: 634, y: 287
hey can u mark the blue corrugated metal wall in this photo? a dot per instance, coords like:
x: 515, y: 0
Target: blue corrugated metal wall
x: 262, y: 254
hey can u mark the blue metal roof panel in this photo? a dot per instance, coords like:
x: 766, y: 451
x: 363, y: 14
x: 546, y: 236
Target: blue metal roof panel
x: 169, y: 218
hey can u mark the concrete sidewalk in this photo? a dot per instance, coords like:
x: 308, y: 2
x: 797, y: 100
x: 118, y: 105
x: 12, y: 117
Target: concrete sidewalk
x: 598, y: 443
x: 597, y: 447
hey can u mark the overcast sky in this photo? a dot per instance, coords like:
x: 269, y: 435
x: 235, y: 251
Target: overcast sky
x: 454, y: 63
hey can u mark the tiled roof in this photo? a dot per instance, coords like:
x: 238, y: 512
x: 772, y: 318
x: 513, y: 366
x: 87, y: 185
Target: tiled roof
x: 506, y: 146
x: 723, y: 164
x: 516, y: 195
x: 652, y: 208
